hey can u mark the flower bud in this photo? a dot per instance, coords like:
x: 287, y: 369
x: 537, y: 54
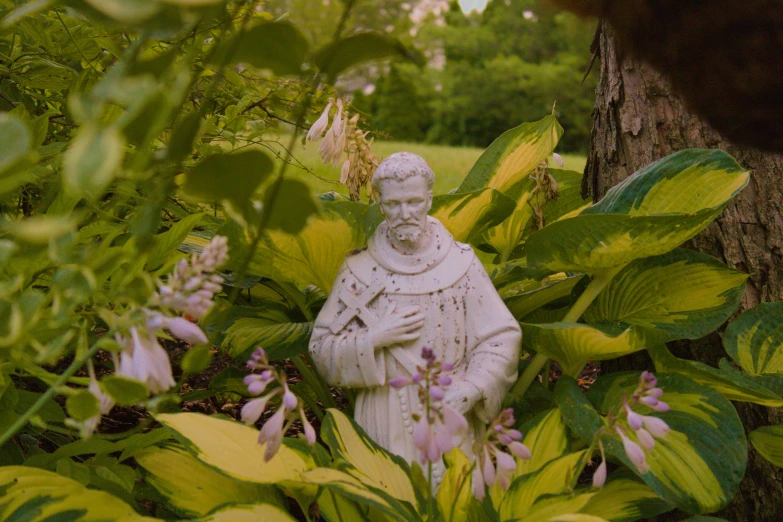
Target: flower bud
x: 289, y: 400
x: 599, y: 477
x: 519, y: 450
x: 187, y: 331
x: 646, y: 440
x: 656, y: 427
x: 399, y: 382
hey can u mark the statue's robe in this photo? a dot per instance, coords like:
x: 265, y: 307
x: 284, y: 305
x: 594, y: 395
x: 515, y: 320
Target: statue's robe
x: 466, y: 323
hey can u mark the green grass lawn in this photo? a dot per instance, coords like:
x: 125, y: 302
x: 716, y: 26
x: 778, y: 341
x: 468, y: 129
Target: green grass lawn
x: 450, y: 164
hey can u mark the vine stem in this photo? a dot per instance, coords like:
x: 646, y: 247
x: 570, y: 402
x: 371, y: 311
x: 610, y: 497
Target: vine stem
x: 599, y: 282
x: 77, y: 363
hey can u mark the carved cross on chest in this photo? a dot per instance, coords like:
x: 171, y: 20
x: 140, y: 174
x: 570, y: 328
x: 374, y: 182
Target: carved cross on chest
x: 356, y: 306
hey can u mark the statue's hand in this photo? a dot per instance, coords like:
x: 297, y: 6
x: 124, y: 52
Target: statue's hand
x: 462, y: 396
x: 397, y: 327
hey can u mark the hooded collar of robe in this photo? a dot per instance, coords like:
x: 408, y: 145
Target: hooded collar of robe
x: 440, y: 265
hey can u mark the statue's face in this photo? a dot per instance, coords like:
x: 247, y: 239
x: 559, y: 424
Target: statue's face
x: 405, y: 205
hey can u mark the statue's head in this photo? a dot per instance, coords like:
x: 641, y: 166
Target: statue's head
x: 403, y: 183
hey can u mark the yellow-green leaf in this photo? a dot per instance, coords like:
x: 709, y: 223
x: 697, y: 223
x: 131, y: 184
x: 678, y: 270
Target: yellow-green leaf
x: 522, y: 304
x: 650, y: 213
x: 455, y: 492
x: 193, y: 487
x: 233, y: 448
x: 260, y: 512
x: 314, y: 256
x: 559, y: 507
x: 768, y: 441
x: 507, y: 238
x: 574, y: 344
x: 552, y: 479
x: 468, y: 215
x: 730, y: 382
x: 40, y: 229
x: 512, y: 156
x: 698, y: 466
x: 755, y: 339
x: 625, y: 499
x: 547, y: 441
x: 367, y: 461
x: 36, y: 495
x: 682, y: 294
x: 92, y: 160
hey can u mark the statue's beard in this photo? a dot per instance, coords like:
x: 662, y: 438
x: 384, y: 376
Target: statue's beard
x: 408, y: 232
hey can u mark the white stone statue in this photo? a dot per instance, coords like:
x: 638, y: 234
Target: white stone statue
x: 414, y: 286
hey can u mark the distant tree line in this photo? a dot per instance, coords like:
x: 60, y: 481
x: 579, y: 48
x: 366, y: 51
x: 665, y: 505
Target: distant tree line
x: 504, y: 66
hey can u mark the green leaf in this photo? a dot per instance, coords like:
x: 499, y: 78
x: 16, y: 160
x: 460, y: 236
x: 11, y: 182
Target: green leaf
x: 683, y: 294
x: 650, y: 213
x: 82, y: 406
x: 521, y: 305
x: 92, y: 160
x: 278, y: 46
x: 359, y: 48
x: 698, y: 466
x: 578, y: 413
x: 731, y: 383
x: 512, y: 156
x: 274, y: 330
x: 507, y: 238
x: 755, y: 339
x: 197, y: 359
x: 360, y: 457
x: 15, y: 140
x: 194, y: 488
x: 124, y: 391
x: 468, y: 215
x: 165, y: 244
x: 291, y: 207
x: 126, y: 11
x: 232, y: 177
x: 34, y: 494
x: 574, y: 344
x: 183, y: 136
x: 625, y: 499
x: 768, y: 441
x: 314, y: 255
x: 232, y: 448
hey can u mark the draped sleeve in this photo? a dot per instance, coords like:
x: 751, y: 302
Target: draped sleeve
x: 493, y: 342
x: 347, y: 358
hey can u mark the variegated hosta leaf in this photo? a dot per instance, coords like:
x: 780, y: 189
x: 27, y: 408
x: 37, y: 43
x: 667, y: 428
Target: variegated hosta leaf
x: 730, y: 382
x: 468, y: 215
x: 755, y: 339
x: 273, y: 329
x: 342, y: 483
x: 650, y: 213
x: 698, y: 466
x: 558, y: 507
x: 624, y: 498
x: 507, y: 238
x: 521, y: 305
x: 547, y: 441
x: 512, y: 156
x: 768, y: 441
x: 552, y: 479
x: 682, y: 294
x: 359, y: 456
x: 574, y: 344
x: 455, y: 493
x: 34, y: 495
x: 233, y: 448
x: 265, y: 512
x: 194, y: 488
x: 314, y: 255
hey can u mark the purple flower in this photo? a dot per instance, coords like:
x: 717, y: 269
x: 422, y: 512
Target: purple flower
x: 519, y: 450
x: 634, y: 419
x: 272, y: 434
x: 436, y: 393
x: 646, y: 440
x: 599, y: 477
x: 399, y: 382
x: 253, y: 410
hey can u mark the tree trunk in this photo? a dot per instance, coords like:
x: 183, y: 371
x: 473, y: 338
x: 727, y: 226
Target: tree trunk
x: 638, y: 119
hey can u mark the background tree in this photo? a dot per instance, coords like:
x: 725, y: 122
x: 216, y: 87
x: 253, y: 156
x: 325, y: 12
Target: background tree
x: 639, y: 119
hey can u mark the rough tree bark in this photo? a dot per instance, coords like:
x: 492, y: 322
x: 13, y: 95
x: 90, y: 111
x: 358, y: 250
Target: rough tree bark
x: 637, y: 120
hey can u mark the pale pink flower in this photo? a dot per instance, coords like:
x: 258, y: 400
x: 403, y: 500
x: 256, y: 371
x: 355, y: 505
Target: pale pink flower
x: 634, y: 419
x: 455, y: 422
x: 146, y: 360
x: 656, y: 427
x: 646, y: 440
x: 519, y: 450
x: 599, y: 477
x: 318, y: 128
x: 309, y: 431
x: 185, y: 330
x: 252, y: 410
x: 558, y: 159
x: 633, y: 451
x: 399, y: 382
x: 271, y: 434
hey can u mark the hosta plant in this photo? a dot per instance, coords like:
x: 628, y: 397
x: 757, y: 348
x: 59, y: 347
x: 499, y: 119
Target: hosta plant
x: 139, y: 207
